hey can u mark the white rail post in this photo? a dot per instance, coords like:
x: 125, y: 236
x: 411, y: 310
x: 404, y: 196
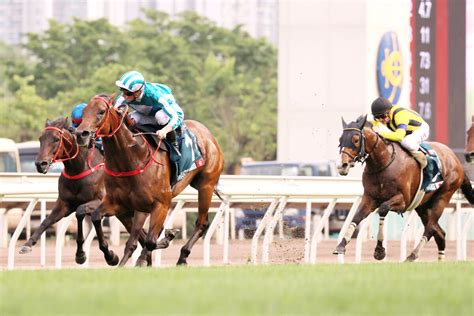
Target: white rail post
x: 225, y: 256
x: 61, y: 229
x: 18, y: 230
x: 458, y: 231
x: 263, y: 223
x: 363, y: 228
x: 43, y: 235
x: 270, y: 229
x: 347, y: 222
x: 87, y: 245
x: 114, y: 225
x: 317, y: 230
x: 406, y: 229
x: 212, y: 229
x: 307, y: 232
x: 3, y: 228
x: 465, y: 230
x: 167, y: 225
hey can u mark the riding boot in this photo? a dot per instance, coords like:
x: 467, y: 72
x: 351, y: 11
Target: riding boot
x: 420, y: 157
x: 172, y: 137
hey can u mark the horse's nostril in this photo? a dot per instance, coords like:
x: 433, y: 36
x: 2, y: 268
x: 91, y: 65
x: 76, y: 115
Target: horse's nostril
x: 345, y: 165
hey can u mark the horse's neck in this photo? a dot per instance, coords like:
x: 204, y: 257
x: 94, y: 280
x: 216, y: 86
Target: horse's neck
x: 79, y: 163
x: 122, y: 149
x: 379, y: 152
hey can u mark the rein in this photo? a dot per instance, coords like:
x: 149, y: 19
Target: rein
x: 69, y: 157
x: 363, y: 155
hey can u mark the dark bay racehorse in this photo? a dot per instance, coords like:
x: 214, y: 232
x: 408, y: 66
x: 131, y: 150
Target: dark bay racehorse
x: 469, y: 152
x: 81, y: 184
x: 391, y: 179
x: 138, y: 176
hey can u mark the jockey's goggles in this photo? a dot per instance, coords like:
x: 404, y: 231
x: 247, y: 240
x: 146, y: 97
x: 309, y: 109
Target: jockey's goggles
x: 380, y: 116
x: 126, y: 92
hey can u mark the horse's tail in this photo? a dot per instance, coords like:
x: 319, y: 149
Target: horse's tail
x: 467, y: 189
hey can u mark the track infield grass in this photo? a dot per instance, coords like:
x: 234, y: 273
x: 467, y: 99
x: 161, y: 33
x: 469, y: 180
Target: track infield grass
x: 323, y: 289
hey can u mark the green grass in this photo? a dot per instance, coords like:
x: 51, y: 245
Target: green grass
x: 365, y: 289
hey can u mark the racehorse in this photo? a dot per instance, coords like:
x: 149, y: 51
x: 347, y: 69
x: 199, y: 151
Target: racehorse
x: 138, y: 176
x: 81, y: 183
x: 391, y: 179
x: 469, y: 152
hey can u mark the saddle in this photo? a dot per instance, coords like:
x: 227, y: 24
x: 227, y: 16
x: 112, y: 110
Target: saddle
x: 432, y: 177
x: 191, y: 156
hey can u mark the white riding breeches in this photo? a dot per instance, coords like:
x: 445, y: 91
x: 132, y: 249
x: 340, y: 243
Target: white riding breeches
x: 412, y: 142
x: 160, y: 118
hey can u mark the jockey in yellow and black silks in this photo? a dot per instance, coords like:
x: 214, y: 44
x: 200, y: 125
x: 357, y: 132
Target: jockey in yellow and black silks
x: 403, y: 125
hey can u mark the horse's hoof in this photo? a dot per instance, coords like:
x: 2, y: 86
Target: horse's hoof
x: 411, y: 258
x: 379, y: 253
x: 81, y: 259
x: 25, y: 249
x: 181, y: 262
x: 114, y: 259
x: 339, y: 251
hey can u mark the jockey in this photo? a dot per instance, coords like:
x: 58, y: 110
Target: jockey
x: 76, y: 115
x: 153, y: 104
x: 76, y: 118
x: 404, y: 125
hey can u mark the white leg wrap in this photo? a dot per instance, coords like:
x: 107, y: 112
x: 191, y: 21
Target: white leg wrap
x: 420, y: 246
x: 380, y: 236
x: 350, y: 232
x: 441, y: 255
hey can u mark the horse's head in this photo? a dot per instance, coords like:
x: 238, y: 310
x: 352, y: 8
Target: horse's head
x: 352, y: 144
x: 57, y: 143
x: 469, y: 154
x: 99, y: 119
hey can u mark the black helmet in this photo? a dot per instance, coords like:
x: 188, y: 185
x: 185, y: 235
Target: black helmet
x: 380, y: 106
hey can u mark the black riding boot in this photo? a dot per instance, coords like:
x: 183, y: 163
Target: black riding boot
x: 173, y: 139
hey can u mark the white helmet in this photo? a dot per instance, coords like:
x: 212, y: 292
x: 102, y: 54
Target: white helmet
x: 131, y: 81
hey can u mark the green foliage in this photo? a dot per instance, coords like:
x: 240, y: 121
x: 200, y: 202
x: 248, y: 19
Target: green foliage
x: 221, y: 77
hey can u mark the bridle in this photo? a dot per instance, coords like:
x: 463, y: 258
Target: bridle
x: 62, y: 139
x: 362, y: 154
x: 108, y: 114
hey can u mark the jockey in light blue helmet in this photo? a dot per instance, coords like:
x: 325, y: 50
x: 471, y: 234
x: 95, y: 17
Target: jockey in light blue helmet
x: 76, y: 118
x: 76, y: 115
x: 153, y: 104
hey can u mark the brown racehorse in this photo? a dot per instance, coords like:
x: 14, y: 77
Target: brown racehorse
x: 80, y: 185
x: 469, y: 154
x: 138, y: 176
x: 391, y: 179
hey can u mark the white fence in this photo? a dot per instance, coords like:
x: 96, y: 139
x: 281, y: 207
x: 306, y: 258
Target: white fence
x: 276, y: 191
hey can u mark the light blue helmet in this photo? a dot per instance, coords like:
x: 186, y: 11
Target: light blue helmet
x: 76, y: 115
x: 131, y: 81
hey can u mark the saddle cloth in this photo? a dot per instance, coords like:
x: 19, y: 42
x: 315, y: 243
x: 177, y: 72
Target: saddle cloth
x: 432, y: 178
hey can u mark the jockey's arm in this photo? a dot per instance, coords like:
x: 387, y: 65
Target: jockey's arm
x: 396, y: 136
x: 176, y: 118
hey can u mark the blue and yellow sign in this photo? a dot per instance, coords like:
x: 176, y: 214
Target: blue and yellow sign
x: 389, y: 67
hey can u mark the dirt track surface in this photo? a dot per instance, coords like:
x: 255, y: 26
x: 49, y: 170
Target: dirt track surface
x: 282, y: 251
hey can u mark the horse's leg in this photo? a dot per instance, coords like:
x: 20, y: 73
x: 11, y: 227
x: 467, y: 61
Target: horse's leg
x: 131, y: 244
x: 379, y: 252
x: 430, y: 218
x: 60, y: 210
x: 440, y: 238
x: 111, y: 258
x: 145, y: 256
x: 202, y: 222
x: 157, y: 220
x: 81, y: 212
x: 366, y: 206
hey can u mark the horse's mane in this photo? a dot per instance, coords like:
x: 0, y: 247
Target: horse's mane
x: 60, y: 122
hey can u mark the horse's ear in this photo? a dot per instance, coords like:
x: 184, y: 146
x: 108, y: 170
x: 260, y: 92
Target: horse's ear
x: 344, y: 124
x: 361, y: 121
x: 47, y: 123
x: 112, y: 96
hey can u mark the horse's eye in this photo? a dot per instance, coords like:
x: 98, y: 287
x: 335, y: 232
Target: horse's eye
x: 56, y: 139
x: 101, y: 112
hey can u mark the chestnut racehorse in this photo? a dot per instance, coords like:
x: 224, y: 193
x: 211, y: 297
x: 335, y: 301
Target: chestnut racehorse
x: 391, y: 179
x: 138, y: 176
x: 80, y: 185
x: 469, y: 153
